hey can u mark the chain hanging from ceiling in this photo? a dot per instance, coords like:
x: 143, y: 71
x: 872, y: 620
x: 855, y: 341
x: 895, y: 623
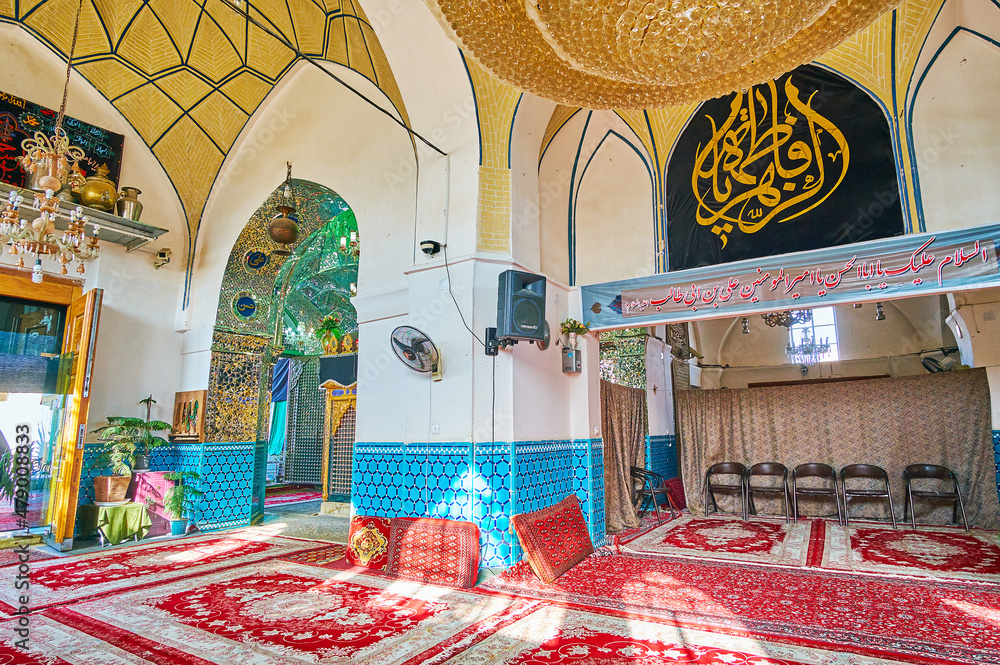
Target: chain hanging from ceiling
x: 634, y: 54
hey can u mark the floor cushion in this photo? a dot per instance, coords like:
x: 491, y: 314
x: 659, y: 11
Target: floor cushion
x: 676, y: 489
x: 554, y: 539
x: 368, y: 542
x: 436, y: 551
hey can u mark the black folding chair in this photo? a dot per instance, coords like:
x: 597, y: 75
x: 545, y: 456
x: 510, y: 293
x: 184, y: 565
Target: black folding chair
x: 646, y: 488
x: 916, y: 471
x: 726, y: 469
x: 769, y: 469
x: 852, y: 471
x: 815, y: 470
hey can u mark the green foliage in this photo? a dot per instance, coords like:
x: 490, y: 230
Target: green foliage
x: 183, y: 497
x: 7, y: 477
x: 574, y: 326
x: 126, y: 436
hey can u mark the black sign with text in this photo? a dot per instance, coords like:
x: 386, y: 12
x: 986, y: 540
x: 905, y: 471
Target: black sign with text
x: 799, y: 163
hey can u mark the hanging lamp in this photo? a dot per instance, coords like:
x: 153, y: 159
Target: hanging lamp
x: 284, y: 228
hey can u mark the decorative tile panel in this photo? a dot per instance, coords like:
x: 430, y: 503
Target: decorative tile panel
x: 661, y: 455
x: 435, y: 480
x: 996, y: 456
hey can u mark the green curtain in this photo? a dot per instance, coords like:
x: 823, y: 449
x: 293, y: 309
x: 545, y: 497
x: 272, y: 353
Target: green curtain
x: 279, y: 424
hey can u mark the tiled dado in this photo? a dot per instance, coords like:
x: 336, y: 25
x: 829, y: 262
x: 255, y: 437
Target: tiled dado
x: 484, y: 483
x: 661, y: 454
x: 996, y: 456
x: 226, y: 471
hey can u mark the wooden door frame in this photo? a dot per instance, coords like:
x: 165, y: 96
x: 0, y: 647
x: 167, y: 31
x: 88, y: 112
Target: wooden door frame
x: 15, y: 283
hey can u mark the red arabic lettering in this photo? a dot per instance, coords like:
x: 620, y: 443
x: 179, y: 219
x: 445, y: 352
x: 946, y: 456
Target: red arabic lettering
x: 925, y: 260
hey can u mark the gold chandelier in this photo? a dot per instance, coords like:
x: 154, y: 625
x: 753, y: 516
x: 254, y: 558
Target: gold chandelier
x: 636, y: 54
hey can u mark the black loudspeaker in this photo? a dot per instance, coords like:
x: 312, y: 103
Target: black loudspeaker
x: 521, y: 306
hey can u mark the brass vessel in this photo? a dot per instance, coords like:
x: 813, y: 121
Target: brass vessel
x: 98, y: 191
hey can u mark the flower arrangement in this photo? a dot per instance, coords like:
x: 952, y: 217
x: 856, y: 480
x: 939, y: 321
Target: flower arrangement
x: 329, y: 332
x: 574, y: 326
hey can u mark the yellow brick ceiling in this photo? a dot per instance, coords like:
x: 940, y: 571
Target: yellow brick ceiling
x: 187, y: 74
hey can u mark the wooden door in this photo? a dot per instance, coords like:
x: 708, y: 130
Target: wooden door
x: 75, y: 375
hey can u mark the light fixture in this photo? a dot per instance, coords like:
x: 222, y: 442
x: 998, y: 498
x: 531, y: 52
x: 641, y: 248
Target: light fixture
x: 284, y: 228
x: 635, y: 54
x: 49, y: 160
x: 857, y: 305
x: 746, y: 325
x: 879, y: 312
x: 41, y: 238
x: 787, y: 318
x: 809, y: 351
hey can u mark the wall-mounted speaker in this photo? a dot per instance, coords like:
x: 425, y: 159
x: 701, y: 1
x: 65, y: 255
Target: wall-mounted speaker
x: 521, y: 306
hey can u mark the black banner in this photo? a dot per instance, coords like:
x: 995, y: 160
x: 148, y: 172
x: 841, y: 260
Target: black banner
x: 795, y: 164
x: 20, y: 119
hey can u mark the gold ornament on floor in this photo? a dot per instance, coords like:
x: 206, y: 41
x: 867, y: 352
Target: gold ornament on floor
x: 632, y: 54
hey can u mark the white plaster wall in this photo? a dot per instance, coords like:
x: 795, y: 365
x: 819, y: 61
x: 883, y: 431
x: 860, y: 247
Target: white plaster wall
x: 956, y: 134
x: 659, y: 387
x: 614, y: 215
x: 555, y: 172
x: 530, y: 122
x: 138, y: 351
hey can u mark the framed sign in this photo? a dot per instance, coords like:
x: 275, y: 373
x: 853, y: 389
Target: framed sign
x: 20, y: 119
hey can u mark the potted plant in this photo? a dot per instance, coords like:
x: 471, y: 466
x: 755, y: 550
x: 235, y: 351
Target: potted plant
x: 131, y: 440
x: 329, y: 333
x: 571, y: 328
x: 119, y: 456
x: 181, y: 499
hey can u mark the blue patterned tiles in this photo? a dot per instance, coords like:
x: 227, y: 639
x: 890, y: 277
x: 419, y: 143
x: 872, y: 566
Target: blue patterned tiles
x: 996, y: 456
x: 392, y: 479
x: 661, y: 455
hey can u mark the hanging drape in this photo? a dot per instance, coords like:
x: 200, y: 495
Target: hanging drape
x: 941, y: 418
x: 279, y: 425
x: 623, y: 422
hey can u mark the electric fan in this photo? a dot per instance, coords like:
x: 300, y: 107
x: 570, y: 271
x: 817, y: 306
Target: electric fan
x: 416, y: 350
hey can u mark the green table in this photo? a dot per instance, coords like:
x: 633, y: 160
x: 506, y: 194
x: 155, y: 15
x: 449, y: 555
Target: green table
x: 114, y: 524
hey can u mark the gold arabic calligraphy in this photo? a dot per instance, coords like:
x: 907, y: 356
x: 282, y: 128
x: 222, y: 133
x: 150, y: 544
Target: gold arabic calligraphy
x: 771, y: 159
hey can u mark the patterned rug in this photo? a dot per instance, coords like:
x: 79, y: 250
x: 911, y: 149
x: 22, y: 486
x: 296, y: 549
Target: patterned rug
x: 278, y: 612
x: 922, y: 620
x: 321, y: 557
x: 283, y: 495
x: 944, y: 552
x: 12, y: 555
x: 757, y: 541
x: 58, y: 581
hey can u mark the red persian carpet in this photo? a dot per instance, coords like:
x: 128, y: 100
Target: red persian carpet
x: 278, y: 612
x: 773, y: 542
x: 929, y: 551
x: 58, y: 581
x: 275, y: 613
x: 283, y: 495
x: 926, y: 621
x: 11, y: 555
x: 321, y: 557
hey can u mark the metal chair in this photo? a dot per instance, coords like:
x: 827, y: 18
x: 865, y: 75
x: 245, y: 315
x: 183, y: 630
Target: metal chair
x: 646, y: 488
x: 865, y: 471
x: 916, y: 471
x: 769, y: 469
x: 815, y: 470
x: 726, y: 469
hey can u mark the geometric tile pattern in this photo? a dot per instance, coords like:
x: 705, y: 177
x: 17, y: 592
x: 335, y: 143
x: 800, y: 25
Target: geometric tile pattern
x: 306, y: 412
x: 435, y: 480
x: 226, y: 471
x: 188, y: 74
x: 996, y: 456
x: 661, y: 456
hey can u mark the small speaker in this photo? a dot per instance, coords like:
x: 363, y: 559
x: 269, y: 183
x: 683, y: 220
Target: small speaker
x: 521, y: 306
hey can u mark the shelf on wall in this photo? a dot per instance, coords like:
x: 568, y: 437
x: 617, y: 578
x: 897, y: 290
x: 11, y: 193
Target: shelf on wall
x: 114, y: 229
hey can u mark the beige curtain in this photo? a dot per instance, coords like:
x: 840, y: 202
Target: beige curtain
x: 941, y: 418
x: 623, y: 422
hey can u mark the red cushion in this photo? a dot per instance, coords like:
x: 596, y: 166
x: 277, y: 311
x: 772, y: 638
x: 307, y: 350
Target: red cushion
x: 554, y: 539
x: 368, y: 542
x: 436, y: 551
x: 676, y: 489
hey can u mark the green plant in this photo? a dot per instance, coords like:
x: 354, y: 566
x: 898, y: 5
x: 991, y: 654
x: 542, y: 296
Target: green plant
x: 574, y: 326
x: 7, y: 477
x: 183, y: 497
x: 330, y: 326
x: 126, y: 436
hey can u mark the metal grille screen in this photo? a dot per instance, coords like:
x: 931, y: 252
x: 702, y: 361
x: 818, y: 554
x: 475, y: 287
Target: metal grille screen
x: 341, y: 457
x: 304, y: 462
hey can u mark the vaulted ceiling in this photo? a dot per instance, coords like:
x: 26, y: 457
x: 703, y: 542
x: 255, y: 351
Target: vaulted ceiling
x: 188, y: 74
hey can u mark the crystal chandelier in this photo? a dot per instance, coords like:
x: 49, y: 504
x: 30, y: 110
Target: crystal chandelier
x: 40, y: 237
x: 809, y: 351
x: 637, y: 54
x: 786, y: 318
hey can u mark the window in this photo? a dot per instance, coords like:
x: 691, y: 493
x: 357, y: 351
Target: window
x: 822, y: 328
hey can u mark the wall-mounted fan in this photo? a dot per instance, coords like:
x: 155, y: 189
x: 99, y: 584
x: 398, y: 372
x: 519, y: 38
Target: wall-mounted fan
x: 416, y: 350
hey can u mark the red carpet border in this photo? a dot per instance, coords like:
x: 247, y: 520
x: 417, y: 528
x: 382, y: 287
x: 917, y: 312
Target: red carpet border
x: 936, y: 621
x: 58, y: 581
x: 294, y: 497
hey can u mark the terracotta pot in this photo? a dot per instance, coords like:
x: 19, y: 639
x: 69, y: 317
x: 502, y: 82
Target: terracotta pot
x: 110, y: 489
